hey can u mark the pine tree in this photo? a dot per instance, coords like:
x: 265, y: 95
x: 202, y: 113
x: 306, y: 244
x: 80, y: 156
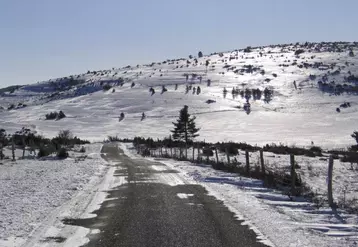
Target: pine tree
x: 185, y: 127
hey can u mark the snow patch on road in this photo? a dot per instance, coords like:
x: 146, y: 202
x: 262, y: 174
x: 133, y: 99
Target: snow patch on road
x: 184, y: 196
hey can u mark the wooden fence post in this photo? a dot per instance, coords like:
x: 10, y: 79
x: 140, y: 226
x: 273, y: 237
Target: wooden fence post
x: 1, y: 153
x: 193, y: 153
x: 293, y: 175
x: 247, y: 162
x: 227, y: 155
x: 24, y: 146
x: 171, y: 152
x: 13, y: 148
x: 216, y: 154
x: 262, y: 162
x: 329, y: 178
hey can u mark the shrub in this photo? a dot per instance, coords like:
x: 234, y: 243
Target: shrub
x: 208, y: 151
x: 298, y: 52
x: 61, y: 115
x: 62, y: 153
x: 317, y: 150
x: 353, y: 148
x: 247, y: 49
x: 230, y: 148
x: 113, y: 138
x: 55, y: 115
x: 51, y: 115
x: 106, y: 87
x: 45, y: 151
x: 83, y: 149
x: 282, y: 149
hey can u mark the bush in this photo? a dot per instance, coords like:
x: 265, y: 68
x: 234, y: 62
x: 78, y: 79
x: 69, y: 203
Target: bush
x: 62, y: 153
x: 247, y: 49
x: 208, y: 151
x: 298, y: 52
x: 83, y: 149
x: 316, y: 150
x: 55, y: 115
x: 51, y: 115
x: 106, y: 87
x: 282, y: 149
x: 44, y: 151
x: 61, y: 115
x: 351, y: 157
x: 353, y: 148
x: 230, y: 148
x: 113, y: 139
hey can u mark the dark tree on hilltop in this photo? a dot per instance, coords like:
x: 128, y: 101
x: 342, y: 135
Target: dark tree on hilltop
x: 200, y: 54
x: 207, y: 64
x: 185, y: 129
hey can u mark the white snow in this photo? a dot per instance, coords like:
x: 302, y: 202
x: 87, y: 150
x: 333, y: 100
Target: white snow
x: 37, y: 194
x: 294, y: 117
x: 184, y: 195
x: 33, y: 193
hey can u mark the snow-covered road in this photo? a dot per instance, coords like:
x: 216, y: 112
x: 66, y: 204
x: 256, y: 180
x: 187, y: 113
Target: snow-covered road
x: 275, y: 219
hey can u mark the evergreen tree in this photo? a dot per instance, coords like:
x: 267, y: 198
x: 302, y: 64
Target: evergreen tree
x: 200, y: 54
x: 207, y: 64
x: 185, y: 128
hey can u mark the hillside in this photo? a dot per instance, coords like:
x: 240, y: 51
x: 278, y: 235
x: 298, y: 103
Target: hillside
x: 294, y: 91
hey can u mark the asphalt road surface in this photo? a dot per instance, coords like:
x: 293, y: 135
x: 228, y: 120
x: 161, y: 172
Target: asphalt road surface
x: 149, y: 211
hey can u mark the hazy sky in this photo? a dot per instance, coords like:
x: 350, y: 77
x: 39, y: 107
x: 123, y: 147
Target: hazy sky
x: 43, y: 39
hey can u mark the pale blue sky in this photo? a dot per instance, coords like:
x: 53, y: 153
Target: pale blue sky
x: 43, y: 39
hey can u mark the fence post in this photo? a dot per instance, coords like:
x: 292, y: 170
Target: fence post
x: 171, y: 152
x: 247, y: 161
x: 13, y: 148
x: 1, y: 154
x: 24, y: 146
x: 198, y: 156
x: 262, y: 162
x: 193, y: 153
x: 330, y: 175
x: 293, y: 175
x: 216, y: 154
x: 227, y: 155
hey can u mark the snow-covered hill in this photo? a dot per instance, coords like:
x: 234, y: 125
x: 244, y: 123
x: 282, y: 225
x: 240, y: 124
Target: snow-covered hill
x: 308, y: 83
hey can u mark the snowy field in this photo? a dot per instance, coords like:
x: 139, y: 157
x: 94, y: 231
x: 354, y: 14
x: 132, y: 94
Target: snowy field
x: 277, y: 220
x: 293, y: 116
x: 36, y: 194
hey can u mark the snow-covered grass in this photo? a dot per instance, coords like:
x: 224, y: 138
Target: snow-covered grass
x: 281, y: 221
x: 294, y: 117
x: 34, y: 193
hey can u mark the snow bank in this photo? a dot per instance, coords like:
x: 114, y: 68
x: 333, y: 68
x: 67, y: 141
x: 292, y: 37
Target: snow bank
x: 34, y: 193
